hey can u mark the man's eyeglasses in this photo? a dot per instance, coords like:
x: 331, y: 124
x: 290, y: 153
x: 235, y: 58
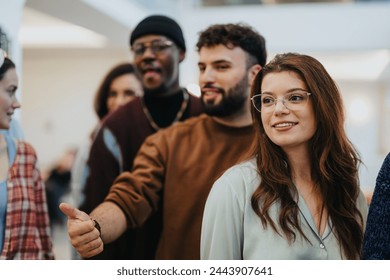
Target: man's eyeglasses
x: 295, y: 100
x: 156, y: 47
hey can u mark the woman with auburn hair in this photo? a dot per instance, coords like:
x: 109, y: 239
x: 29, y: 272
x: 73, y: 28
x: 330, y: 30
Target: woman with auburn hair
x: 298, y: 197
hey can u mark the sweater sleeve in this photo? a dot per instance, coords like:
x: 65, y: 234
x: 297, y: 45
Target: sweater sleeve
x: 377, y: 235
x: 138, y: 192
x: 221, y: 237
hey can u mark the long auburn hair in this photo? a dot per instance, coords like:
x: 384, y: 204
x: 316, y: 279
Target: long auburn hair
x: 334, y: 160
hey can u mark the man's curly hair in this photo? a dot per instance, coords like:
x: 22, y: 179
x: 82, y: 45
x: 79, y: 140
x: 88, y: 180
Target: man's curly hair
x: 235, y: 35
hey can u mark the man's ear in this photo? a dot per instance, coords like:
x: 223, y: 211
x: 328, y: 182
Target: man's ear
x: 253, y: 72
x: 182, y: 55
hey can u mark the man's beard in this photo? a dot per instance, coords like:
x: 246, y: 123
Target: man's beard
x: 232, y: 101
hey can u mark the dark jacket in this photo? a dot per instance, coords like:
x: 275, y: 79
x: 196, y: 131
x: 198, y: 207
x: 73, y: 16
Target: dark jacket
x: 377, y: 235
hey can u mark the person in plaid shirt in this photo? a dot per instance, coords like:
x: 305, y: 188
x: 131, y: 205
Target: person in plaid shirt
x: 24, y: 220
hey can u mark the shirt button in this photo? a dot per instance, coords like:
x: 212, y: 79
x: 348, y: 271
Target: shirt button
x: 322, y: 246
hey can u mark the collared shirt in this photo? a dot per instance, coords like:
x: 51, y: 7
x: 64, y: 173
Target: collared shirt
x: 11, y: 149
x: 232, y: 230
x: 27, y: 228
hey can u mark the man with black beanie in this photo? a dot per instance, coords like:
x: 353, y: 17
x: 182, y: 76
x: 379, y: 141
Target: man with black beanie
x: 158, y: 46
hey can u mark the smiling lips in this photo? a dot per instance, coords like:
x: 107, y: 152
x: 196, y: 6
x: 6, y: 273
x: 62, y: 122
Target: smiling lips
x: 150, y: 71
x: 284, y: 124
x: 210, y: 93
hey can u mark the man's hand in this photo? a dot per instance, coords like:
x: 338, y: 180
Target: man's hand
x: 85, y: 238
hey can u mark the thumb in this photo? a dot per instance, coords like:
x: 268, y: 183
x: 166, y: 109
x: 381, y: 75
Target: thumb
x: 73, y: 213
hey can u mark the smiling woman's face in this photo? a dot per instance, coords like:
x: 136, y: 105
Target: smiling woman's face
x: 8, y: 101
x: 287, y: 128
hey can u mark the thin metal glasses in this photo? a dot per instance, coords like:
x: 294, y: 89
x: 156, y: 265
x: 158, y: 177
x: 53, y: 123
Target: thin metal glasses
x: 295, y: 100
x: 156, y: 47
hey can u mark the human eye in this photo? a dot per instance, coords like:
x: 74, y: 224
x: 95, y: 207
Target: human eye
x: 139, y: 49
x: 129, y: 92
x: 201, y: 68
x: 158, y: 46
x: 296, y: 97
x: 11, y: 91
x: 222, y: 67
x: 112, y: 94
x: 267, y: 100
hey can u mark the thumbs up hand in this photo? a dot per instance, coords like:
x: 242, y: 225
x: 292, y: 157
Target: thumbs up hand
x: 83, y: 234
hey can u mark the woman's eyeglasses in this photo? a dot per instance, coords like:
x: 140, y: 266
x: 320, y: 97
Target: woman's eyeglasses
x: 295, y: 100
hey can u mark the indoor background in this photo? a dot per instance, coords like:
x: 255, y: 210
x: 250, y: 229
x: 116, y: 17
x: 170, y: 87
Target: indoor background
x: 64, y: 48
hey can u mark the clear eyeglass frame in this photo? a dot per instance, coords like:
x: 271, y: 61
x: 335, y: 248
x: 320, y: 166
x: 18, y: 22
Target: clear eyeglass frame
x: 156, y: 47
x: 293, y: 101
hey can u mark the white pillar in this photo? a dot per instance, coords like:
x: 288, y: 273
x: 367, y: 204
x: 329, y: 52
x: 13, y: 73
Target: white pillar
x: 11, y: 13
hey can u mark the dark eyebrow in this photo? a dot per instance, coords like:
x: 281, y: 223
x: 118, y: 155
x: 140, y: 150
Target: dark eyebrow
x: 288, y: 91
x: 216, y: 62
x: 221, y: 61
x: 294, y: 89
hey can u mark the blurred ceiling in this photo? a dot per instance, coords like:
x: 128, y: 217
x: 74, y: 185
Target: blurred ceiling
x: 347, y: 35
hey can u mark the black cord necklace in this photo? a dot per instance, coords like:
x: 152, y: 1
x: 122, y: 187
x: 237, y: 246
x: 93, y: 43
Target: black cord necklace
x: 179, y: 114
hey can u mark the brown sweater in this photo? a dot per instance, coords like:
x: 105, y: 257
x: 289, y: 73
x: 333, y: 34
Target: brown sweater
x: 129, y: 127
x: 172, y: 176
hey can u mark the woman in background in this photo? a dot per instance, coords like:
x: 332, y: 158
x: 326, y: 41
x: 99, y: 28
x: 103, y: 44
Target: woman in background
x: 118, y: 87
x: 24, y: 220
x: 298, y: 197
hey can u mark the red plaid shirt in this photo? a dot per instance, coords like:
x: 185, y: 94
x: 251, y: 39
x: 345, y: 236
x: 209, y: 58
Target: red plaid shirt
x: 27, y: 228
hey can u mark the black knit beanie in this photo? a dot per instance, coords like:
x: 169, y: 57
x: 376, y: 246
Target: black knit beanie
x: 159, y: 25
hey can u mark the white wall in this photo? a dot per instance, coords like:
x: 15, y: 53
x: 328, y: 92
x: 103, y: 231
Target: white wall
x: 58, y: 97
x: 10, y: 18
x: 58, y: 86
x: 365, y: 111
x: 336, y: 34
x: 309, y: 28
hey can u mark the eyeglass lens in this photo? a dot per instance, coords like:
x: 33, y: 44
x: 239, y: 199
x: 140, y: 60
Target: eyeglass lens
x: 155, y: 47
x: 292, y: 101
